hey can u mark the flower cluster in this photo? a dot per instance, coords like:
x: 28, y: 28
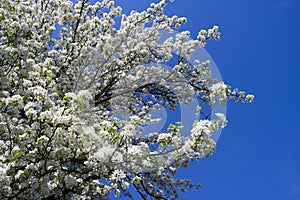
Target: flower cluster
x: 78, y: 84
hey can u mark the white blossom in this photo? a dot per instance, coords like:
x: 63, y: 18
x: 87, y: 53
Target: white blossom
x: 222, y: 119
x: 250, y: 98
x: 79, y: 81
x: 218, y: 93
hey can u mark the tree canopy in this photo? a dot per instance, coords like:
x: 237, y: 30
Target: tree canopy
x: 79, y: 81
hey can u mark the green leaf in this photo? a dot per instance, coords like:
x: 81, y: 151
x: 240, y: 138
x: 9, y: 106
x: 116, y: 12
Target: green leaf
x: 17, y: 155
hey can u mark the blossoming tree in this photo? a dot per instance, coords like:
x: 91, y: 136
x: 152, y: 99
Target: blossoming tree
x: 78, y: 83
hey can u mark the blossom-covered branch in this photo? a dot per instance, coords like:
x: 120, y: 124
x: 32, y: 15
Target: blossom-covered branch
x: 79, y: 81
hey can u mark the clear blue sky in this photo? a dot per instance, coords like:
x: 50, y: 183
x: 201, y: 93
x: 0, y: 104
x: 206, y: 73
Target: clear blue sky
x: 258, y: 153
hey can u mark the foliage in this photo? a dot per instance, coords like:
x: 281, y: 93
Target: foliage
x: 77, y: 86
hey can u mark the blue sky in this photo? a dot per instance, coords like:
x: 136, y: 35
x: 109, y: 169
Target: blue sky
x: 258, y: 153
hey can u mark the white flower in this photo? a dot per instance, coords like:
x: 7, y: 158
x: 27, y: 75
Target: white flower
x: 222, y: 119
x: 52, y: 185
x: 134, y: 118
x: 218, y: 88
x: 70, y: 181
x: 202, y: 127
x: 85, y: 94
x: 215, y: 28
x: 19, y: 173
x: 249, y: 98
x: 128, y: 130
x: 218, y: 93
x: 118, y: 175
